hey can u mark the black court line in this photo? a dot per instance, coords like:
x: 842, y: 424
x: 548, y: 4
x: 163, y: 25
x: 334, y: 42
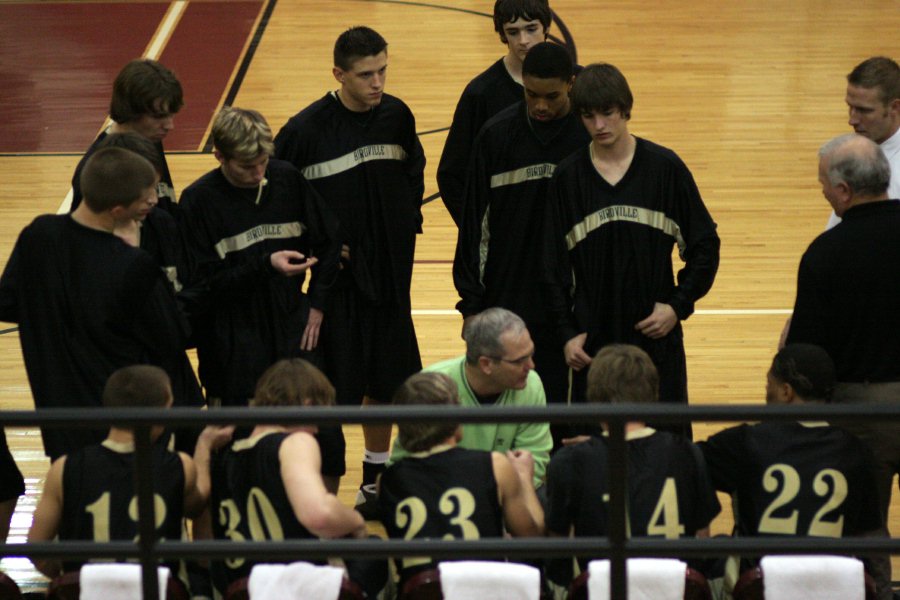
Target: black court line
x: 438, y: 6
x: 245, y: 64
x: 430, y: 131
x: 10, y: 330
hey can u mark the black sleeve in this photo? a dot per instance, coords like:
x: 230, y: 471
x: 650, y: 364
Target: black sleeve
x: 563, y: 492
x: 707, y: 506
x: 415, y: 171
x: 451, y: 172
x: 467, y: 261
x: 701, y: 251
x: 205, y: 267
x: 556, y: 269
x: 288, y: 147
x: 76, y: 183
x: 324, y: 243
x: 158, y: 323
x: 810, y: 323
x: 9, y: 282
x: 725, y: 458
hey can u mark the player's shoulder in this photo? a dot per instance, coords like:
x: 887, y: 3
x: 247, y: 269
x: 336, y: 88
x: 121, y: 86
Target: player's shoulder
x: 590, y: 451
x: 311, y: 115
x: 574, y: 162
x: 506, y: 122
x: 659, y: 153
x: 485, y: 81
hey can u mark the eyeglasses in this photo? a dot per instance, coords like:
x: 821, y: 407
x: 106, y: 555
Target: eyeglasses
x: 516, y: 362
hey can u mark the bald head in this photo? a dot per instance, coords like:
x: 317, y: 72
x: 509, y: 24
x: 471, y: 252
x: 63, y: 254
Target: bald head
x: 854, y: 169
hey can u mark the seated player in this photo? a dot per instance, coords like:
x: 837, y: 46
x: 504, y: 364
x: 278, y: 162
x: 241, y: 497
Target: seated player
x: 443, y: 491
x: 269, y: 485
x: 669, y: 491
x: 794, y: 478
x: 89, y: 494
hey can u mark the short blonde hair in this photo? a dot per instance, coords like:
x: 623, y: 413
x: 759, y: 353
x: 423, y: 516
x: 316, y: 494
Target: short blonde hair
x: 242, y: 134
x: 622, y: 373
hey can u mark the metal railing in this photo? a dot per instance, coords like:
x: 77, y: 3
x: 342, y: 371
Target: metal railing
x: 617, y: 546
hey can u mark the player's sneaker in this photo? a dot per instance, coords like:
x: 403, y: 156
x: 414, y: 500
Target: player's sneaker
x: 367, y: 502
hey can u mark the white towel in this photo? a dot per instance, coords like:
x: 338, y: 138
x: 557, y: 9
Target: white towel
x: 648, y: 579
x: 479, y: 580
x: 297, y: 581
x: 813, y: 577
x: 103, y: 581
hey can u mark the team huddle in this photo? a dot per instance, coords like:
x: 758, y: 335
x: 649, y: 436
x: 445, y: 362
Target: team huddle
x: 566, y: 228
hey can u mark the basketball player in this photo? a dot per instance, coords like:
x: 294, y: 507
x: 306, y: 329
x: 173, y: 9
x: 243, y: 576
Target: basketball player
x: 269, y: 486
x: 616, y: 209
x: 669, y: 491
x: 520, y: 24
x: 86, y: 302
x: 157, y: 234
x: 795, y: 478
x: 145, y: 98
x: 358, y: 148
x: 90, y: 493
x: 497, y: 259
x: 487, y: 493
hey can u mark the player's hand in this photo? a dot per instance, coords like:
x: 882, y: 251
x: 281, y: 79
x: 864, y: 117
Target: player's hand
x: 660, y: 322
x: 345, y: 256
x: 310, y: 338
x: 214, y: 436
x: 360, y: 533
x: 578, y: 439
x: 523, y: 463
x: 576, y: 357
x: 291, y: 262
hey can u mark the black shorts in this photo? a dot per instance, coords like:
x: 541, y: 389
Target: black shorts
x: 12, y: 485
x: 333, y: 448
x: 368, y: 350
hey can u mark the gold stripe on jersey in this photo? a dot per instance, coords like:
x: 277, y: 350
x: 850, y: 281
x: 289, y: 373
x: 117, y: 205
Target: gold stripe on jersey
x: 529, y: 173
x: 623, y: 212
x: 483, y: 244
x: 352, y: 159
x: 260, y: 233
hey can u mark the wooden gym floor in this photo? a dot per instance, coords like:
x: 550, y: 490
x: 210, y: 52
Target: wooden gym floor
x: 745, y: 92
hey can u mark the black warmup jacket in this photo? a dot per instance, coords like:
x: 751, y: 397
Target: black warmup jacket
x: 369, y: 168
x: 165, y: 190
x: 87, y: 304
x: 498, y: 254
x: 485, y: 96
x: 847, y: 289
x: 253, y: 316
x: 608, y: 249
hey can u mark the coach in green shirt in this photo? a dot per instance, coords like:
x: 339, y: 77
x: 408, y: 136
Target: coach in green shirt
x: 498, y: 370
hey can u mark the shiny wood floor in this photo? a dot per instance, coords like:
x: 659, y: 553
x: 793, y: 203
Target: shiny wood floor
x: 745, y: 92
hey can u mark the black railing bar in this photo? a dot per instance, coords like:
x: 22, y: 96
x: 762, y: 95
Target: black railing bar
x: 662, y: 413
x: 143, y: 464
x: 495, y: 547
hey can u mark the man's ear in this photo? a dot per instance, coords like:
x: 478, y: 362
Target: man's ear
x: 338, y: 74
x: 484, y: 363
x: 219, y: 156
